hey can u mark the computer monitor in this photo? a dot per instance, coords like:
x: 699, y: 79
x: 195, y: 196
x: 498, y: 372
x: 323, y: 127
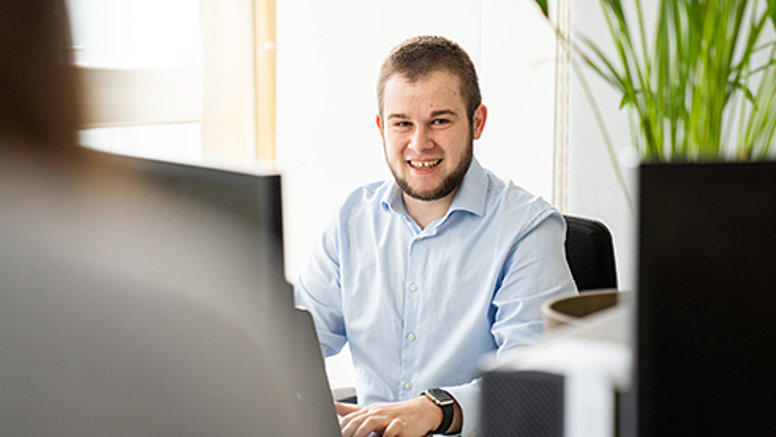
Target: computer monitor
x: 706, y: 299
x: 252, y: 194
x: 142, y: 297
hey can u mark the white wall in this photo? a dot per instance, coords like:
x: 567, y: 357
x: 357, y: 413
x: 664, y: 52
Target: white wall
x: 328, y: 57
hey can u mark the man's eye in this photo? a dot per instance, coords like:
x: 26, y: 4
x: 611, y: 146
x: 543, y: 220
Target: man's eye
x: 402, y: 124
x: 440, y: 121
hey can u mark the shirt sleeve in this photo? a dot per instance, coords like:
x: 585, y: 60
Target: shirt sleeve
x: 468, y: 398
x: 535, y: 272
x: 318, y: 290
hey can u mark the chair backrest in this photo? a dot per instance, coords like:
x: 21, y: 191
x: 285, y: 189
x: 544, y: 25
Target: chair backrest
x: 590, y: 253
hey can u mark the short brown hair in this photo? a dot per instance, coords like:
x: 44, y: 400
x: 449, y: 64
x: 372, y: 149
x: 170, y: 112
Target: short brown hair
x: 419, y: 56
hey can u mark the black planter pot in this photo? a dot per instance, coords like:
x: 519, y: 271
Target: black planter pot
x: 706, y: 313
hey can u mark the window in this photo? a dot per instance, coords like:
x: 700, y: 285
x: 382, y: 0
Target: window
x: 177, y: 79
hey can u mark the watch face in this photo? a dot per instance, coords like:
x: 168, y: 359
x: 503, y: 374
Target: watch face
x: 440, y: 396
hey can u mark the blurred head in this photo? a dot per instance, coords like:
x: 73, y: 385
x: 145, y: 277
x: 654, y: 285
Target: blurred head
x: 38, y: 89
x: 417, y: 57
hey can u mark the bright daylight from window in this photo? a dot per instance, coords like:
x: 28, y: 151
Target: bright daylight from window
x: 142, y: 66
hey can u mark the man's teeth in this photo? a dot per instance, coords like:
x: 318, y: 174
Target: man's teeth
x: 424, y: 164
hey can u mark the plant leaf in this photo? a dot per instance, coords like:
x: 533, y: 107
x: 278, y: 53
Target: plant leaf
x: 628, y: 98
x: 614, y: 77
x: 747, y: 92
x: 543, y: 6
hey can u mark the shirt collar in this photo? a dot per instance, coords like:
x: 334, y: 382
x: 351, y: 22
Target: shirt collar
x: 470, y: 197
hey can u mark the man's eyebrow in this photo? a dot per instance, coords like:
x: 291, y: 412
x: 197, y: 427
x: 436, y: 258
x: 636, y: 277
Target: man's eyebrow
x: 444, y: 112
x: 433, y: 114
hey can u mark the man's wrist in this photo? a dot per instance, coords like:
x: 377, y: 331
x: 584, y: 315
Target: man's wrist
x: 433, y: 413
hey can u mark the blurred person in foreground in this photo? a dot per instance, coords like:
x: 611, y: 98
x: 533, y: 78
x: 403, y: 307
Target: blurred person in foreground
x: 425, y: 274
x: 124, y: 310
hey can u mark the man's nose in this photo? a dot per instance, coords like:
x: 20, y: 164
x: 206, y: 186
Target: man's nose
x: 421, y: 139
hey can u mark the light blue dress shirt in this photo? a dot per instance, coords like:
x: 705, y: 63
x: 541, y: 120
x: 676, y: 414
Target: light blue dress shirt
x: 421, y: 307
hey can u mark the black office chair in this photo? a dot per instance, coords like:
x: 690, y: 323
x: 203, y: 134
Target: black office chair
x: 590, y: 253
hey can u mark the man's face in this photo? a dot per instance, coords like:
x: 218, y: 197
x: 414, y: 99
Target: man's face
x: 426, y: 134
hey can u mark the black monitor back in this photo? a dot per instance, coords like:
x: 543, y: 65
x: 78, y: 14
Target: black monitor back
x: 142, y: 297
x: 251, y: 195
x: 254, y: 195
x: 706, y: 299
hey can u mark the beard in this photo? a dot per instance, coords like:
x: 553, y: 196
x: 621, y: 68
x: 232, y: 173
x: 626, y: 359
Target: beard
x: 449, y: 183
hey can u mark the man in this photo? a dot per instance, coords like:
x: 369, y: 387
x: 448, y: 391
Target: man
x: 426, y: 274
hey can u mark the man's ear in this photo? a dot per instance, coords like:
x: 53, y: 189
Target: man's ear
x: 380, y: 126
x: 478, y: 121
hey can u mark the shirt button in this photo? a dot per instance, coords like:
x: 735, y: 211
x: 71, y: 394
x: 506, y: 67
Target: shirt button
x: 407, y: 386
x: 413, y: 287
x: 420, y: 239
x: 411, y: 337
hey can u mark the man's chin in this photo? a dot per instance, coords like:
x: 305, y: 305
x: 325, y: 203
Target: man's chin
x: 427, y: 195
x: 426, y: 190
x: 424, y: 197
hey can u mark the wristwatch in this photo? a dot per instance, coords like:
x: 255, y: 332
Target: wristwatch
x: 445, y: 402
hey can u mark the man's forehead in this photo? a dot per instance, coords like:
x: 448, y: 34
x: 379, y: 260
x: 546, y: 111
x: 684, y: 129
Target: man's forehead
x: 440, y: 91
x: 414, y: 78
x: 395, y: 93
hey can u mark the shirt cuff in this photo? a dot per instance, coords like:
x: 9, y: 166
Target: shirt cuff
x: 468, y: 398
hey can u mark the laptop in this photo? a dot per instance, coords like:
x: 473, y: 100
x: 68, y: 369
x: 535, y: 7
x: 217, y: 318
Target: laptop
x: 308, y: 385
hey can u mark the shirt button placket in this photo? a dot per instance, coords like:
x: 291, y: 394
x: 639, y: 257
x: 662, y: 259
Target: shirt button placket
x: 409, y: 348
x: 410, y: 338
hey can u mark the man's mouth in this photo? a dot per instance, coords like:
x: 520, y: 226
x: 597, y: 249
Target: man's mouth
x: 424, y: 165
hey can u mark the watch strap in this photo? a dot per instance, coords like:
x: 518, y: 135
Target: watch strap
x: 444, y: 401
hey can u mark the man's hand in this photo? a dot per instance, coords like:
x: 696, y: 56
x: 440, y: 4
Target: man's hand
x: 411, y: 418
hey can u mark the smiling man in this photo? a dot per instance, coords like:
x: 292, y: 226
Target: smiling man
x: 428, y: 133
x: 427, y: 273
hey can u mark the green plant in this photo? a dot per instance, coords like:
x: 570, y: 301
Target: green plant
x: 703, y: 89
